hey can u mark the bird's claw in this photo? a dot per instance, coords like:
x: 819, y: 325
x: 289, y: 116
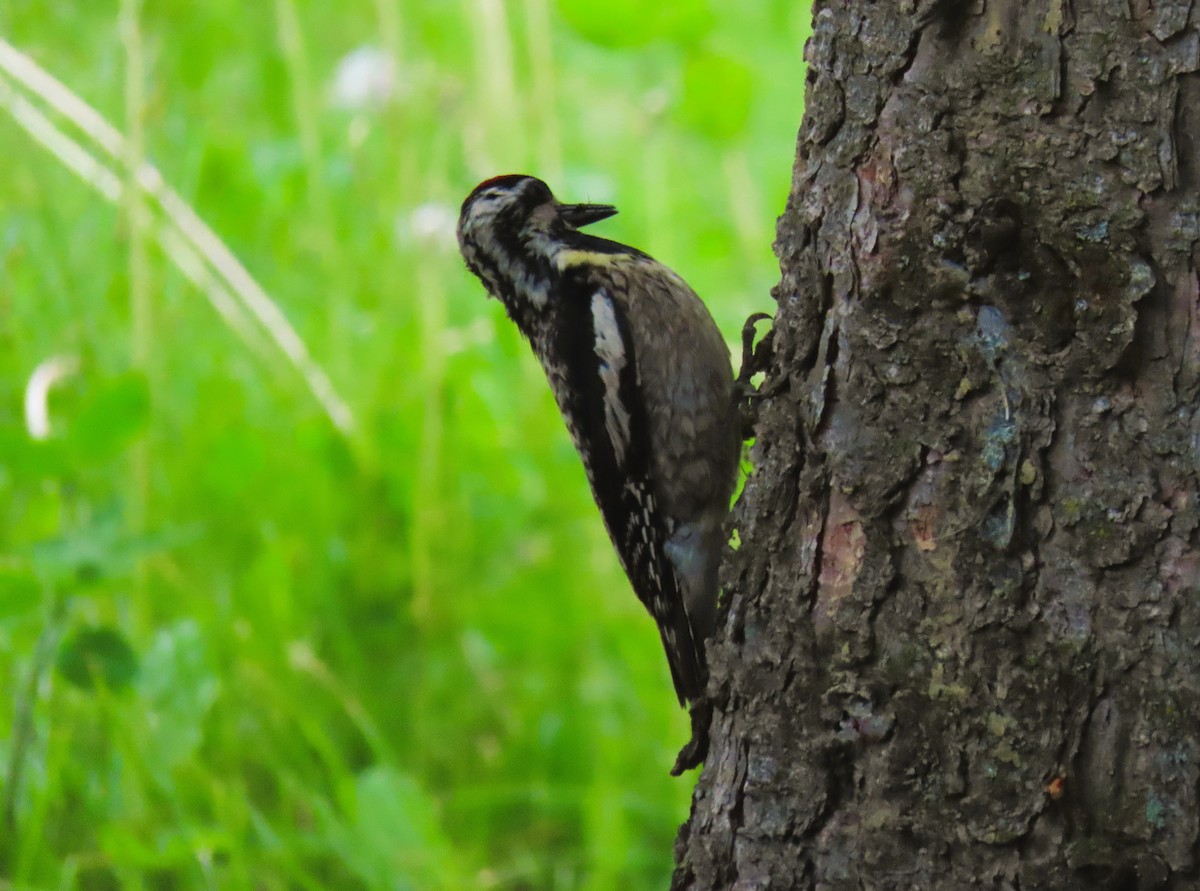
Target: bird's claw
x: 693, y: 754
x: 755, y: 359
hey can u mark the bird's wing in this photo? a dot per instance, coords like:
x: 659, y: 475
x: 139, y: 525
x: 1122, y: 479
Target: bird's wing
x: 611, y: 431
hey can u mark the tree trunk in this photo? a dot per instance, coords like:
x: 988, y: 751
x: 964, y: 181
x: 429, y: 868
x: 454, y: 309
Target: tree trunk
x: 963, y: 642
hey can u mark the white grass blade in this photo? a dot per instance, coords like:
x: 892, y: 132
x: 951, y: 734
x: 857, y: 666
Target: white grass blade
x: 193, y: 233
x: 83, y: 164
x: 37, y: 393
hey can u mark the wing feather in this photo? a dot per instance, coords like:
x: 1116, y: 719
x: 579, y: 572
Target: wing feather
x: 606, y: 416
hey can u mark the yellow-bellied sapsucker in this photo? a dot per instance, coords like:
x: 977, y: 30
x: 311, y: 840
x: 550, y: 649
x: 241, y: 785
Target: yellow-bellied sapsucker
x: 643, y: 379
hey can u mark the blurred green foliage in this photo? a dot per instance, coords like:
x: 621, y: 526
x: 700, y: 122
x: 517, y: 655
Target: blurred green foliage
x: 241, y: 650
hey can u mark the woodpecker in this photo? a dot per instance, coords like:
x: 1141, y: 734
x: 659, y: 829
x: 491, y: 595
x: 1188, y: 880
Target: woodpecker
x: 643, y: 379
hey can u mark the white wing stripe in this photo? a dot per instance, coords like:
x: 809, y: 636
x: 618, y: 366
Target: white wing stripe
x: 610, y: 350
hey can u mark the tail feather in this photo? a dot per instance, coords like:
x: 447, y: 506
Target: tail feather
x: 685, y: 654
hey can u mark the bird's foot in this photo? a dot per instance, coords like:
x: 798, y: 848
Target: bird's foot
x: 755, y: 359
x: 693, y: 754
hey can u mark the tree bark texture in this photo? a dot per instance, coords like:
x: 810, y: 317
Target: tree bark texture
x: 963, y: 642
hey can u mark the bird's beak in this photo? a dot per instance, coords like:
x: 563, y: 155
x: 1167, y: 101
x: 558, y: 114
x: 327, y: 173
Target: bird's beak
x: 580, y: 215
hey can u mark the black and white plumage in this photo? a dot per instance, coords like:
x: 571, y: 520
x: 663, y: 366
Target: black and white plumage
x: 643, y: 379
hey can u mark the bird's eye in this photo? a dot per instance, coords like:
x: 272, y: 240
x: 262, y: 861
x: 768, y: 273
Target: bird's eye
x: 485, y: 198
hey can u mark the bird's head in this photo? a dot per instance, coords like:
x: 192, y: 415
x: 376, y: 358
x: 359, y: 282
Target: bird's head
x: 510, y: 225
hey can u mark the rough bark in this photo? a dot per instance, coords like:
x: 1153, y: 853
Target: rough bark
x: 963, y: 642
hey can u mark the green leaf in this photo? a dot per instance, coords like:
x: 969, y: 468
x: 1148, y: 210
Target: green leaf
x: 111, y: 418
x: 232, y: 462
x: 178, y: 687
x: 80, y: 557
x: 631, y: 23
x: 100, y: 550
x: 717, y: 93
x: 95, y: 656
x: 397, y: 833
x: 20, y: 593
x: 27, y: 458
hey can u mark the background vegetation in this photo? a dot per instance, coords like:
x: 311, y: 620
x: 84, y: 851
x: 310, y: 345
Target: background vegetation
x: 243, y: 648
